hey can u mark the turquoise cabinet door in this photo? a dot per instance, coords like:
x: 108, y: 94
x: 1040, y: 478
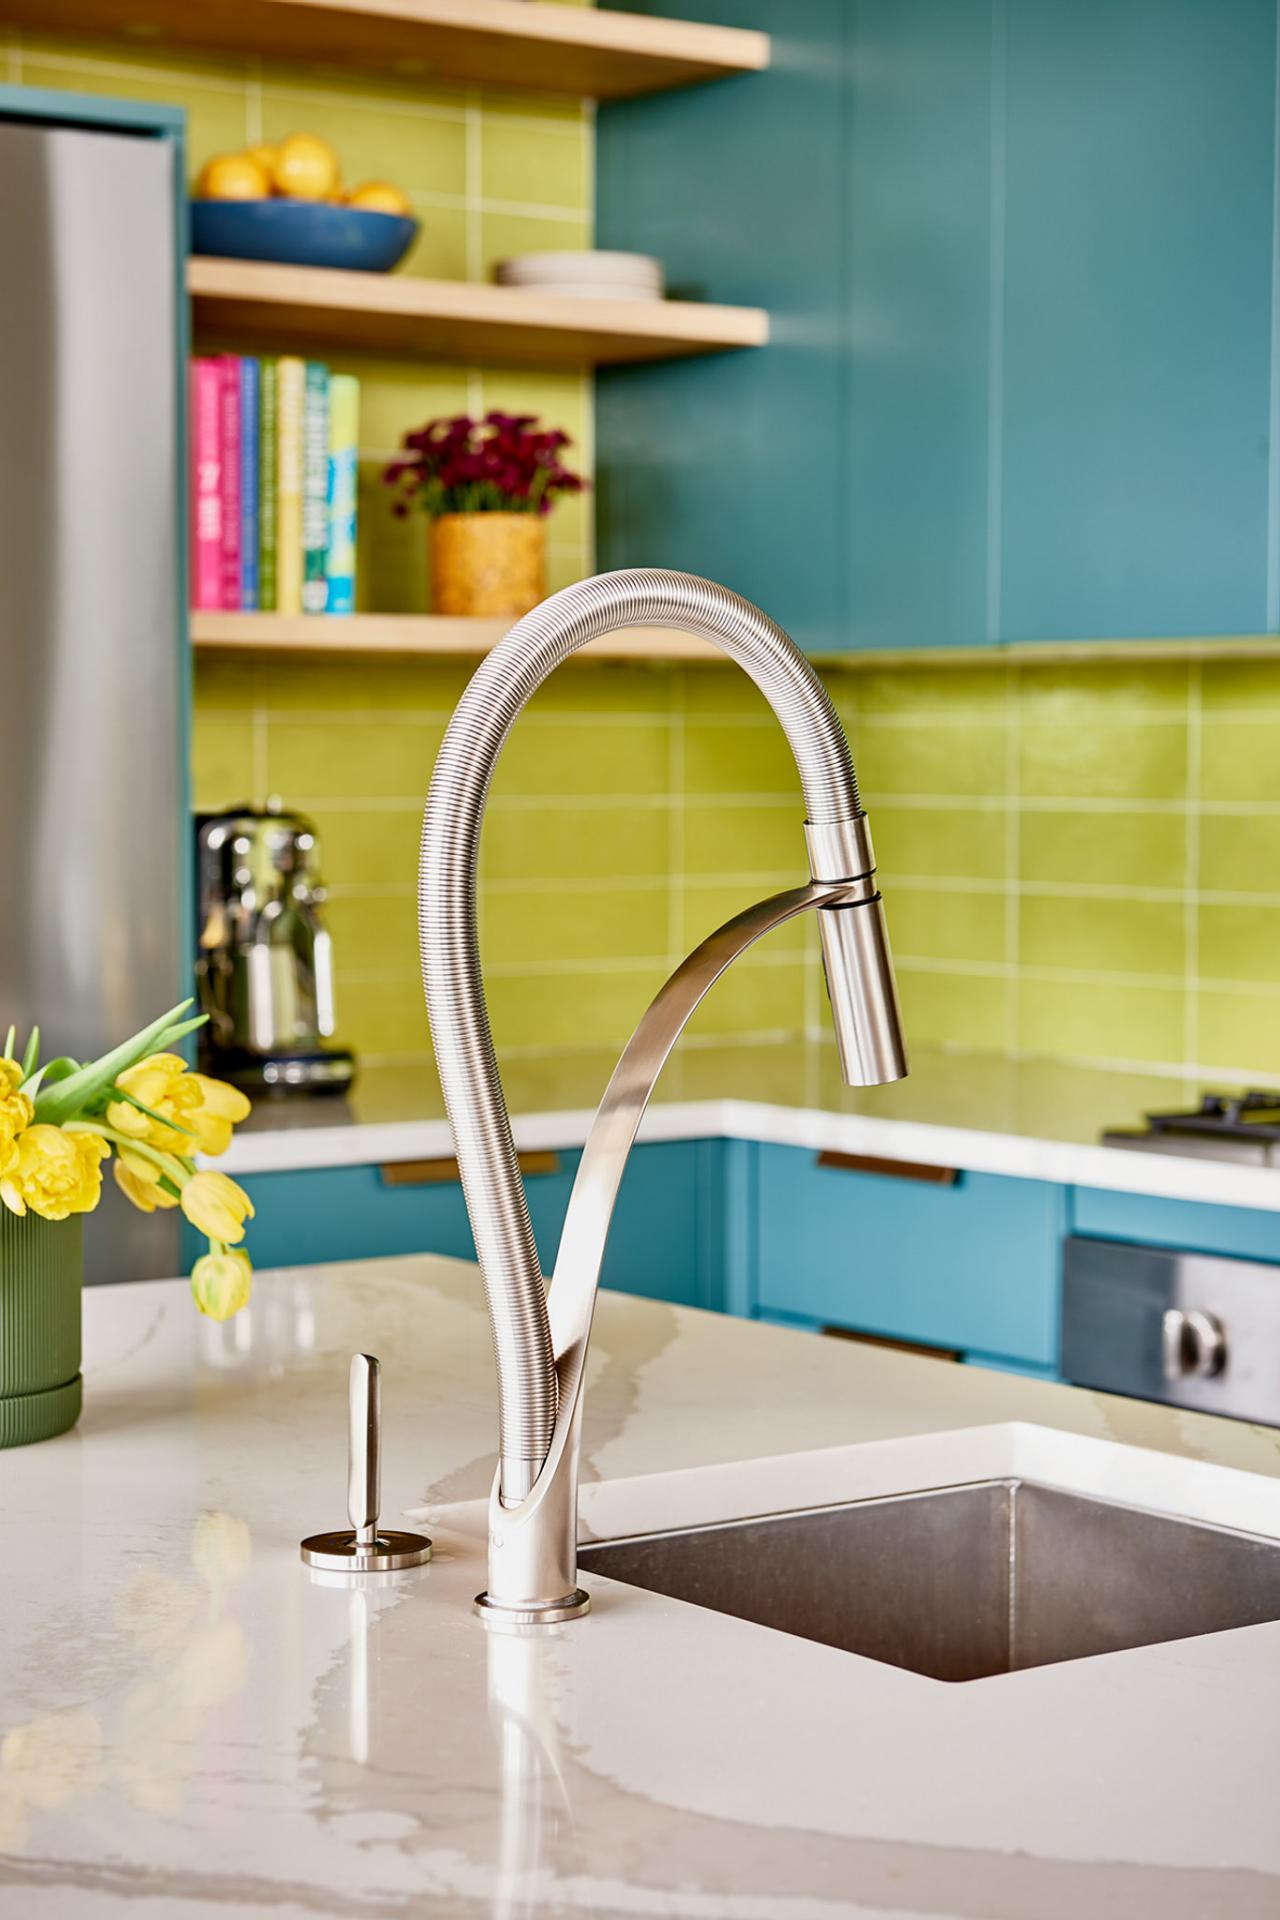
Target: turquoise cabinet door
x: 667, y: 1241
x: 1136, y: 165
x: 1020, y: 259
x: 732, y: 466
x: 919, y: 302
x: 974, y: 1266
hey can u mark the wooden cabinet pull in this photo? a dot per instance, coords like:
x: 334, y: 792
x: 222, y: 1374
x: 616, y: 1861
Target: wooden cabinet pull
x: 442, y: 1172
x: 892, y: 1169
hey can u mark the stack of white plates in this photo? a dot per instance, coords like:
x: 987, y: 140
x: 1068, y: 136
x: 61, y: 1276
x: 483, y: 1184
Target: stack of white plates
x: 586, y: 274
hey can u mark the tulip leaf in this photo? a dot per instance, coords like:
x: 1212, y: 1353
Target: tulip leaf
x: 178, y: 1032
x: 84, y: 1088
x: 11, y: 1041
x: 32, y: 1053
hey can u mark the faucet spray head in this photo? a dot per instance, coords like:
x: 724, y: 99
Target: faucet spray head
x: 856, y: 957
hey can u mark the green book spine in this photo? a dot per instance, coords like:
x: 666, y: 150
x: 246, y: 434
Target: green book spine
x: 268, y: 481
x: 315, y: 488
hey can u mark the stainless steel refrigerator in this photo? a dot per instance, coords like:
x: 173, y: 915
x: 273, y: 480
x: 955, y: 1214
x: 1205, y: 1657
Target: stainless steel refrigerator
x: 93, y: 799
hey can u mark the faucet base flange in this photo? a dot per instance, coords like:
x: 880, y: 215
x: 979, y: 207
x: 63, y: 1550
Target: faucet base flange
x: 341, y: 1552
x: 540, y: 1613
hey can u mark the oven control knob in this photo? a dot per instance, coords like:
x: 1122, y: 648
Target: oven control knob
x: 1194, y: 1344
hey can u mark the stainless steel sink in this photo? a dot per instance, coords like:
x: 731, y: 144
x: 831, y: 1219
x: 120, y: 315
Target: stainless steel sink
x: 964, y: 1582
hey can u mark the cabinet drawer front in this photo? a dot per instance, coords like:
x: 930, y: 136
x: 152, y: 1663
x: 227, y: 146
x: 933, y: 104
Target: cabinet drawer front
x: 973, y: 1265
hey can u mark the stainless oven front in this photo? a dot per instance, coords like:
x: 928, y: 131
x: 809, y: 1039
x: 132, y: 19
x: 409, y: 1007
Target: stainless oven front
x: 1189, y: 1329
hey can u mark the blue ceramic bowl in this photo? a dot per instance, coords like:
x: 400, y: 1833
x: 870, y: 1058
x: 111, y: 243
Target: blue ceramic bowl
x: 301, y: 233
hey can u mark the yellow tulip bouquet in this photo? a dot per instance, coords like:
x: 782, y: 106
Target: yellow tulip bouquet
x: 61, y: 1121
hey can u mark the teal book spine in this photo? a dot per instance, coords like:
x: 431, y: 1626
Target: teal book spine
x: 268, y: 485
x: 344, y: 433
x: 315, y: 487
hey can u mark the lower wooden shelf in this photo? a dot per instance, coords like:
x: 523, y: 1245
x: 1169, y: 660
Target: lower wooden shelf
x: 415, y: 635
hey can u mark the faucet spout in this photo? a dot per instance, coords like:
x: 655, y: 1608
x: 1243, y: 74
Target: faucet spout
x: 539, y: 1354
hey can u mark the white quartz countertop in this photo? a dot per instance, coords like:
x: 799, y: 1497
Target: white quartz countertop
x: 1039, y: 1120
x: 193, y: 1724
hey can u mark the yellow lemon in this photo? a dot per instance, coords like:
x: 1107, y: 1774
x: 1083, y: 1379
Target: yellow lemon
x: 306, y: 167
x: 233, y: 176
x: 378, y: 196
x: 263, y: 155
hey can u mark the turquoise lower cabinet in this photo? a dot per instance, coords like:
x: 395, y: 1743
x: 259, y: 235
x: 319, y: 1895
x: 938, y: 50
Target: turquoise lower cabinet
x: 973, y: 1266
x: 1187, y: 1225
x: 770, y: 1233
x: 668, y: 1240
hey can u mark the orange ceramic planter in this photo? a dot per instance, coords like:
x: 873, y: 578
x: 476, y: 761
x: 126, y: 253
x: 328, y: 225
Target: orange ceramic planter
x: 487, y: 563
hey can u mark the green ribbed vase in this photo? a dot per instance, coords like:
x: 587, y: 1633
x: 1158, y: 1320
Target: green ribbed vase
x: 41, y: 1274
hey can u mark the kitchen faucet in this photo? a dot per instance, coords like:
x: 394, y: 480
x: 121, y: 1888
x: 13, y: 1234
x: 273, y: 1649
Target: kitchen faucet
x: 540, y: 1341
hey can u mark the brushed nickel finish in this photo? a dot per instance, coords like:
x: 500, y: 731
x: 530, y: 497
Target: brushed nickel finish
x: 862, y: 992
x: 364, y: 1547
x: 540, y: 1346
x: 1189, y: 1329
x: 548, y: 1613
x: 340, y: 1553
x: 965, y: 1582
x: 1194, y: 1344
x: 92, y: 932
x: 839, y: 848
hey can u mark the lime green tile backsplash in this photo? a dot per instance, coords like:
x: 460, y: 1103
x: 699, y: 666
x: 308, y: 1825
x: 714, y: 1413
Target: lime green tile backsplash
x: 1081, y: 862
x: 1094, y: 901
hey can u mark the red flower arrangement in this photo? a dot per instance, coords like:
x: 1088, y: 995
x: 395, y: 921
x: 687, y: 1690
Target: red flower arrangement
x: 505, y: 463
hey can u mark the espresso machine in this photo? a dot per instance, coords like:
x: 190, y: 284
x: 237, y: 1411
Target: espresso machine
x: 264, y: 961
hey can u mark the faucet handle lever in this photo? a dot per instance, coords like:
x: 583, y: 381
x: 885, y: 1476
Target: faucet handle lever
x: 364, y: 1547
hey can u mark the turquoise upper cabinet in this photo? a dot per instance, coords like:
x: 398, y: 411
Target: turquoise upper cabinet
x: 734, y: 467
x: 919, y: 302
x: 1020, y: 257
x: 1135, y: 159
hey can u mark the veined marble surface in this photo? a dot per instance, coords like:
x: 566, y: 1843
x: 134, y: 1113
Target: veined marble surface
x: 1037, y: 1119
x: 192, y: 1724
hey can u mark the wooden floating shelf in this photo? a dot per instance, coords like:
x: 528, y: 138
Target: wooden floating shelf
x: 585, y: 51
x: 454, y: 319
x: 429, y: 636
x: 424, y: 636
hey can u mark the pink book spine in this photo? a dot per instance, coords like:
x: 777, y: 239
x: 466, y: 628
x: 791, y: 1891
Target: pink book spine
x: 229, y: 482
x: 206, y: 483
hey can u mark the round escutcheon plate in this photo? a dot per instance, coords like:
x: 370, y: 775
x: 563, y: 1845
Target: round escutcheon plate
x: 340, y: 1553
